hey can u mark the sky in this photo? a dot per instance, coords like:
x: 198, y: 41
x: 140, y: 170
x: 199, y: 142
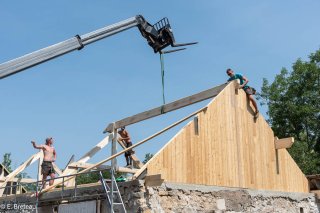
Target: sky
x: 74, y: 97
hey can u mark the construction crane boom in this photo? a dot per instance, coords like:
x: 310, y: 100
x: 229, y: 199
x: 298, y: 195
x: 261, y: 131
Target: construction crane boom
x: 159, y: 36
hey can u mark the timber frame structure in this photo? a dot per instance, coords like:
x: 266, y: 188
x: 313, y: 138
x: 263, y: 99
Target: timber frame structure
x: 223, y: 145
x: 13, y: 186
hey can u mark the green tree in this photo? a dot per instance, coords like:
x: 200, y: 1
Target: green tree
x: 91, y: 177
x: 7, y: 161
x: 293, y: 101
x: 147, y: 157
x: 94, y: 177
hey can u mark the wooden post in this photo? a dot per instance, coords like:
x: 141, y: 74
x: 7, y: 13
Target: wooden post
x: 113, y: 162
x: 39, y: 177
x: 114, y: 147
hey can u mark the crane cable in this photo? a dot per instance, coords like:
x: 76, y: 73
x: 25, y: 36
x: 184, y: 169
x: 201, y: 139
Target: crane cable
x: 162, y: 80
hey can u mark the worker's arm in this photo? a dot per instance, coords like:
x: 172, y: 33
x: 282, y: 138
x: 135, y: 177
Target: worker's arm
x: 37, y: 146
x: 127, y: 135
x: 125, y: 138
x: 244, y: 83
x: 54, y: 155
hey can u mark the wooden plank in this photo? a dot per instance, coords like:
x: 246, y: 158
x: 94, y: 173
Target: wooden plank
x: 153, y: 177
x: 283, y: 143
x: 153, y: 180
x: 20, y: 180
x: 77, y: 165
x: 126, y: 170
x: 204, y: 95
x: 95, y: 149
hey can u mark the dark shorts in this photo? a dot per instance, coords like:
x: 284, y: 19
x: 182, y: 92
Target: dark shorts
x: 250, y: 91
x: 130, y: 152
x: 47, y: 168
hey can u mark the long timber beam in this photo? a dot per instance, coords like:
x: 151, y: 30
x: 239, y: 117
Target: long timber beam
x: 204, y: 95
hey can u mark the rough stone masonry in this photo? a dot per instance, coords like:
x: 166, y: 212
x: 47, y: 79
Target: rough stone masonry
x: 171, y: 197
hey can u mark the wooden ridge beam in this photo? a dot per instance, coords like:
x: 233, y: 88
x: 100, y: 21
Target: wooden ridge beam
x: 283, y: 143
x: 201, y: 96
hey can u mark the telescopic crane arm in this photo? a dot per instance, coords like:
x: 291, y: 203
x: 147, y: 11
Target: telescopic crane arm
x: 159, y: 36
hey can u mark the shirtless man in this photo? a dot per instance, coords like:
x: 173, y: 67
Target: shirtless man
x: 125, y: 138
x: 49, y: 156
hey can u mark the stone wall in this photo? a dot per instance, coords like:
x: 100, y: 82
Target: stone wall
x: 186, y: 198
x: 169, y: 198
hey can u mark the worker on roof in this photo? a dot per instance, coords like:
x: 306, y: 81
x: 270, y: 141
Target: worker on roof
x: 250, y: 91
x: 49, y: 156
x: 125, y: 138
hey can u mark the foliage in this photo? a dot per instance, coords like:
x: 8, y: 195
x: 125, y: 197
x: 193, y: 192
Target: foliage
x: 147, y: 157
x: 7, y: 161
x: 93, y: 177
x: 293, y: 101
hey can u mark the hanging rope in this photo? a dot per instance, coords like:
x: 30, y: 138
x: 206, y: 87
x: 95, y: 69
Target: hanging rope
x: 162, y: 79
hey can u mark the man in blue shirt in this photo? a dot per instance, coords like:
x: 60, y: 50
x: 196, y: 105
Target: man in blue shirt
x: 243, y: 85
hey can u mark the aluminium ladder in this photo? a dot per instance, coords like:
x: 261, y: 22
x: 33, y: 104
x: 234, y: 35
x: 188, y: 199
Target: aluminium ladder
x: 113, y: 195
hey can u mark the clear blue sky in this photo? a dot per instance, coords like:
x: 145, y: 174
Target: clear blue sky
x: 74, y: 97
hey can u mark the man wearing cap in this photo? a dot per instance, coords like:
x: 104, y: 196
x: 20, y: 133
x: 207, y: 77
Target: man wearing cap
x: 243, y: 85
x: 49, y: 156
x: 125, y: 138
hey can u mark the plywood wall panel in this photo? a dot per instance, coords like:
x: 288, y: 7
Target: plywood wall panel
x: 230, y: 149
